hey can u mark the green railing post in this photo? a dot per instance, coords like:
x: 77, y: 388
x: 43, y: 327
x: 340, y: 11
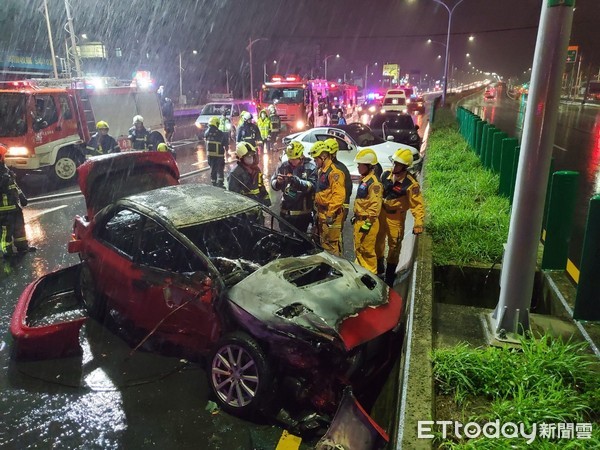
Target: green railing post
x: 490, y: 147
x: 587, y: 300
x: 507, y: 156
x: 513, y: 180
x: 487, y: 131
x: 548, y: 190
x: 561, y: 211
x: 473, y: 140
x: 479, y: 135
x: 496, y: 151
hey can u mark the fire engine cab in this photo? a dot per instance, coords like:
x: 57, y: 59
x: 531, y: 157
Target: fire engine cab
x: 305, y: 103
x: 46, y: 123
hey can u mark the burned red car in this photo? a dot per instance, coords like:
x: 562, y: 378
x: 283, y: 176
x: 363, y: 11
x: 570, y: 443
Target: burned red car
x: 197, y: 270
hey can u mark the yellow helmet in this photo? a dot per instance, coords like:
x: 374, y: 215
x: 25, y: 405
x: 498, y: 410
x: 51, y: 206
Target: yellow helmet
x: 319, y: 148
x: 243, y: 148
x: 162, y: 147
x: 101, y: 125
x: 366, y: 156
x: 294, y: 150
x: 403, y: 156
x: 214, y: 121
x: 333, y: 145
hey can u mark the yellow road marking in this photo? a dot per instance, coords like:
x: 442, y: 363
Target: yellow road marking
x: 288, y: 441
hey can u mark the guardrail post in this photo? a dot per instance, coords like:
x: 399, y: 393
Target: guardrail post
x: 560, y: 220
x: 473, y: 140
x: 513, y: 181
x: 548, y: 190
x: 484, y: 141
x: 479, y: 135
x: 496, y: 149
x: 507, y: 155
x: 587, y: 301
x: 490, y: 147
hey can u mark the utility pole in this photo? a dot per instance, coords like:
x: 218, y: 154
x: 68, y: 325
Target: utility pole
x: 520, y: 259
x: 50, y: 39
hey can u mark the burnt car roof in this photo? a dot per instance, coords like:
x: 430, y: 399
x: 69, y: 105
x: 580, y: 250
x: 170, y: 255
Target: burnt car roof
x: 191, y: 204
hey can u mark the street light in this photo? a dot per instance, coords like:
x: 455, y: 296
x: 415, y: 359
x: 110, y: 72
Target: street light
x: 249, y: 48
x: 367, y: 74
x: 325, y: 61
x: 450, y: 11
x: 181, y: 69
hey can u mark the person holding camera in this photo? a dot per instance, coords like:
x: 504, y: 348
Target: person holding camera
x: 367, y: 206
x: 296, y: 178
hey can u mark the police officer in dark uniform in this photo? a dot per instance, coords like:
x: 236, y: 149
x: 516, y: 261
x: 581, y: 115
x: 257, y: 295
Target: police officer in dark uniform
x: 139, y: 135
x: 102, y: 142
x: 248, y: 131
x: 217, y: 143
x: 12, y: 201
x: 297, y: 178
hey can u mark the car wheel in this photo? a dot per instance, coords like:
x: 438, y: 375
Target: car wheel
x: 65, y: 166
x: 240, y: 375
x: 92, y: 300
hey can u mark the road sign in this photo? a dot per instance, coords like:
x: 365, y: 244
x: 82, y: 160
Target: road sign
x: 572, y: 53
x: 391, y: 70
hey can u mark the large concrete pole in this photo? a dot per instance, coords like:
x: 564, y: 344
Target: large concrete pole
x: 519, y: 266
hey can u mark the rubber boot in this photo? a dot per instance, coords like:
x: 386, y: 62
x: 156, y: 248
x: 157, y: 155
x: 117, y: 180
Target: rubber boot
x: 380, y: 267
x: 390, y: 274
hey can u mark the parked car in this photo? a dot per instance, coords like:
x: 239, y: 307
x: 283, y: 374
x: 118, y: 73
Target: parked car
x: 197, y: 270
x: 233, y: 109
x: 351, y: 138
x: 396, y: 126
x: 367, y: 109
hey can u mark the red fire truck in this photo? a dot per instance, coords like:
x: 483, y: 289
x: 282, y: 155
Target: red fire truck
x: 47, y: 123
x: 305, y: 103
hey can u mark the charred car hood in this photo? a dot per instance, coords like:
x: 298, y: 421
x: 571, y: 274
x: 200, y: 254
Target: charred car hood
x: 107, y: 178
x: 326, y: 295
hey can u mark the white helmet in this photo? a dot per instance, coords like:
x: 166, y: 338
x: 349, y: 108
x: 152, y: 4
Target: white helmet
x: 138, y: 119
x: 246, y: 116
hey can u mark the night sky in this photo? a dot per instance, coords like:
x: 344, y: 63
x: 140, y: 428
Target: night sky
x: 151, y: 33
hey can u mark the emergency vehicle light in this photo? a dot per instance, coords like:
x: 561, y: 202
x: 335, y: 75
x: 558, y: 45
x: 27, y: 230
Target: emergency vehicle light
x: 276, y: 78
x: 332, y: 85
x: 291, y: 78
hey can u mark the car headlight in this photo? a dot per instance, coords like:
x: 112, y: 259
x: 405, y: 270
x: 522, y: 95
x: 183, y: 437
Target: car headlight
x: 199, y: 125
x: 414, y: 137
x: 300, y: 125
x: 372, y: 109
x: 18, y: 151
x: 360, y: 108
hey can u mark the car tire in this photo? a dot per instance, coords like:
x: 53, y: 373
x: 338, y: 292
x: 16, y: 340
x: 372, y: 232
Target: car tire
x: 64, y: 169
x: 240, y: 389
x: 93, y: 302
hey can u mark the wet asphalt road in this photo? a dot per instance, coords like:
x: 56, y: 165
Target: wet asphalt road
x: 576, y: 147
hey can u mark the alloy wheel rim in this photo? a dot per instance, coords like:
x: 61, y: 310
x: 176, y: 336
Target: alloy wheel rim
x: 235, y: 376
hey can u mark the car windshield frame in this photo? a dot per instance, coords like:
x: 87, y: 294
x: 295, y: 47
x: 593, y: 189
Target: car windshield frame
x: 268, y: 95
x: 216, y: 109
x: 13, y: 119
x: 393, y: 121
x: 362, y: 135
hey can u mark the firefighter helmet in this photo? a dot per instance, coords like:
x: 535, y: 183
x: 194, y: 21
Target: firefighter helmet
x: 402, y: 156
x: 246, y: 116
x: 138, y: 119
x: 102, y: 125
x: 214, y: 121
x: 243, y: 148
x: 3, y: 150
x: 162, y: 147
x: 319, y: 148
x: 366, y: 156
x: 294, y: 150
x: 333, y: 145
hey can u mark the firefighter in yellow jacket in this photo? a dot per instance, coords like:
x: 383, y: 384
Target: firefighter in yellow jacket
x: 401, y: 192
x: 367, y: 206
x: 329, y: 198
